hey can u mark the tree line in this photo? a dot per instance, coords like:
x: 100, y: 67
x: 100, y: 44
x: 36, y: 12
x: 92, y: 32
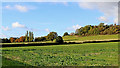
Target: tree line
x: 100, y: 29
x: 52, y: 36
x: 29, y: 37
x: 87, y: 30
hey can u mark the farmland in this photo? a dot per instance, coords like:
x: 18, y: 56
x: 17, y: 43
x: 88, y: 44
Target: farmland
x: 88, y: 54
x: 85, y: 38
x: 59, y: 33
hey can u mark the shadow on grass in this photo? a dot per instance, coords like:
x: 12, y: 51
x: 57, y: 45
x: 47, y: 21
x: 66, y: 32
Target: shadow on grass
x: 8, y: 63
x: 65, y: 43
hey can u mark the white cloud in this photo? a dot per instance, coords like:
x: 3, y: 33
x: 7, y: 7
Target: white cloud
x: 85, y: 5
x: 105, y: 23
x: 21, y: 8
x: 16, y: 24
x: 104, y: 19
x: 110, y: 9
x: 8, y: 7
x: 74, y: 27
x: 5, y: 28
x: 47, y: 30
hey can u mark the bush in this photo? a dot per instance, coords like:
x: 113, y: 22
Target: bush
x: 40, y: 39
x: 59, y: 39
x: 5, y: 40
x: 52, y: 35
x: 66, y: 34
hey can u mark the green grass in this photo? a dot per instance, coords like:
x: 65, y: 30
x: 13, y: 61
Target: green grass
x: 26, y: 43
x: 87, y: 38
x: 9, y: 62
x: 88, y: 54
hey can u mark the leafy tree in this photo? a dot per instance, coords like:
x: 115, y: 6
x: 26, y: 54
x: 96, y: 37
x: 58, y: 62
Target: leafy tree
x: 52, y: 35
x: 29, y: 36
x: 40, y: 39
x: 100, y: 29
x: 46, y: 37
x: 101, y: 25
x: 66, y: 34
x: 86, y: 29
x: 26, y: 37
x: 22, y: 39
x: 5, y: 40
x: 96, y: 31
x: 32, y: 36
x: 17, y: 40
x: 59, y: 39
x: 79, y: 31
x: 12, y: 39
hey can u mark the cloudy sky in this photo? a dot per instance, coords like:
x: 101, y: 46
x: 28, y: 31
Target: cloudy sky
x: 44, y: 17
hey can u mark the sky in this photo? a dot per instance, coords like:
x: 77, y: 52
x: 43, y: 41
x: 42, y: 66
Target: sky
x: 44, y: 17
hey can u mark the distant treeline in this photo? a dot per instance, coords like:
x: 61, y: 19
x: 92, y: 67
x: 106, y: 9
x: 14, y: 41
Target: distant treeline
x: 87, y: 30
x: 100, y: 29
x: 27, y: 38
x: 52, y: 36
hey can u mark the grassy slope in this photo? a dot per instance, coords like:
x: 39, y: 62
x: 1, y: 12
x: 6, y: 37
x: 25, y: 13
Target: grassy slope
x: 98, y: 37
x: 88, y: 54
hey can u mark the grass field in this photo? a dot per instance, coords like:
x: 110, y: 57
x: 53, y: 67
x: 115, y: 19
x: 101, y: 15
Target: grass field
x: 88, y: 54
x: 97, y: 37
x: 26, y: 43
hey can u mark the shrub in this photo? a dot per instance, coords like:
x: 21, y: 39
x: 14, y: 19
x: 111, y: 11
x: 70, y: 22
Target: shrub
x: 17, y: 40
x: 12, y: 39
x: 40, y: 39
x: 52, y: 35
x: 5, y: 40
x: 59, y: 39
x: 66, y: 34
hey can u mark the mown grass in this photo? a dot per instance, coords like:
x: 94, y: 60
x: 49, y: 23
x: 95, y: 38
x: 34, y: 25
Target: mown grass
x: 26, y: 43
x: 88, y: 38
x: 88, y: 54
